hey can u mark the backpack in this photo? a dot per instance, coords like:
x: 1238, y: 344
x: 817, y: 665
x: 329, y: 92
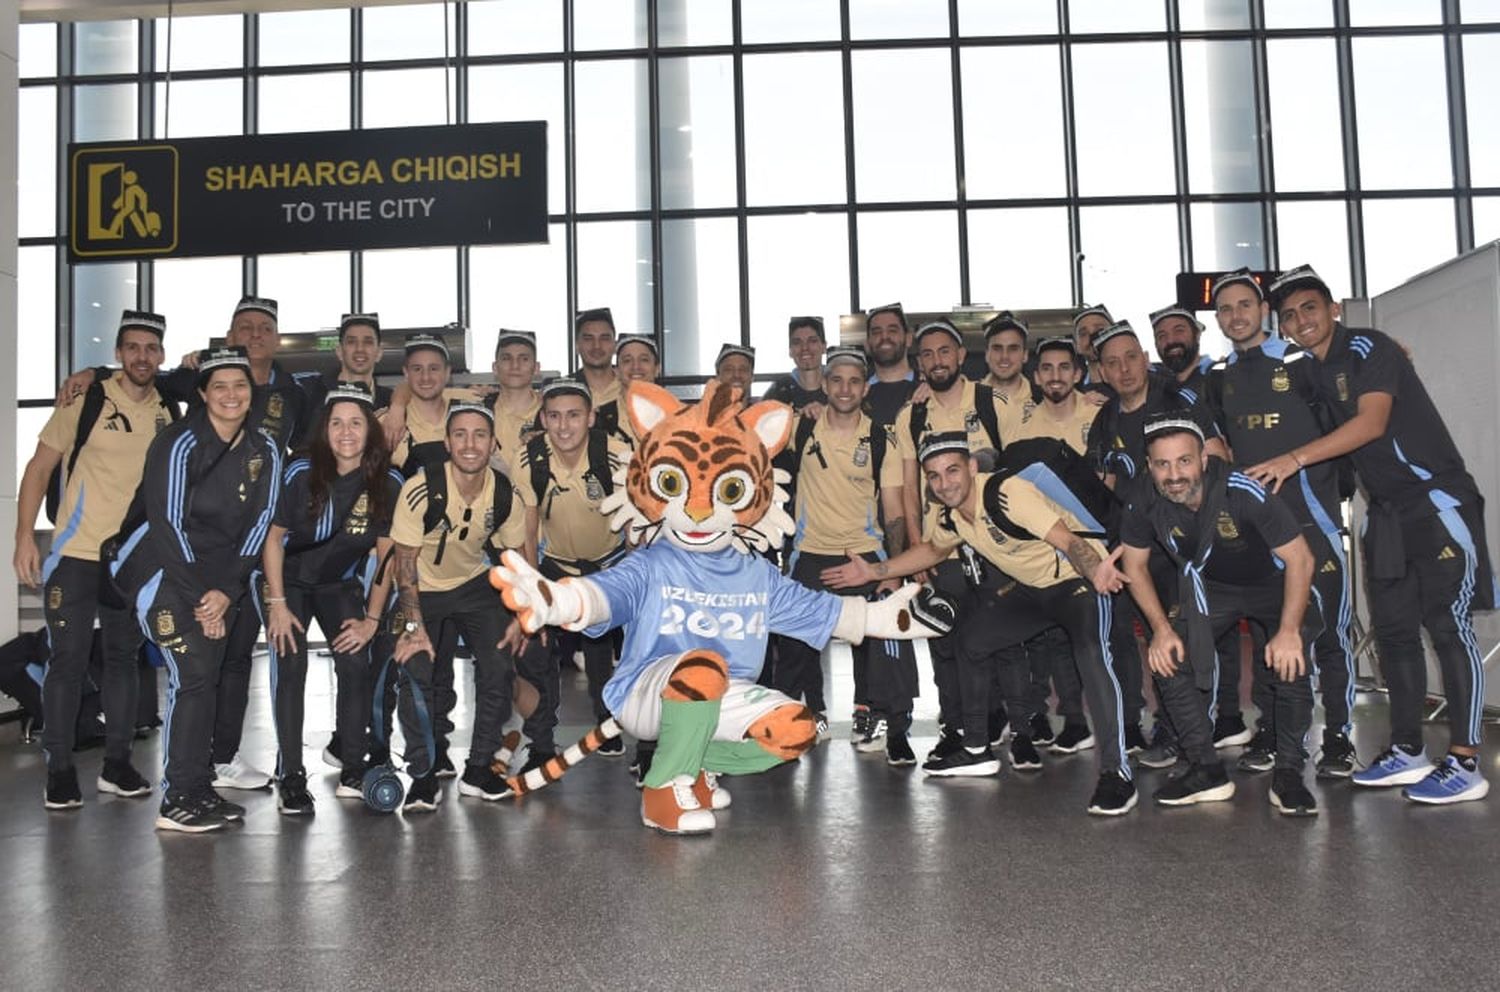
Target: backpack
x: 88, y: 416
x: 984, y: 407
x: 1060, y: 473
x: 436, y: 514
x: 541, y: 463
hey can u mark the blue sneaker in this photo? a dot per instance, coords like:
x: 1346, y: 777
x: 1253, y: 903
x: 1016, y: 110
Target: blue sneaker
x: 1395, y: 767
x: 1449, y: 782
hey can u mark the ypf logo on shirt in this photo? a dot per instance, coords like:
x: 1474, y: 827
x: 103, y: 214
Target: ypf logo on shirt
x: 124, y: 201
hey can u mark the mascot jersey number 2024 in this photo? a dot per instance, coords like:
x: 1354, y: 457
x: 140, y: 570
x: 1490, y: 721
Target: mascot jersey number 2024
x: 698, y: 604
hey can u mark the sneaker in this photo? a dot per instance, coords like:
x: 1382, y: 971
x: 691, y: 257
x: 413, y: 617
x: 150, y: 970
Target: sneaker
x: 1337, y: 759
x: 898, y: 752
x: 213, y: 801
x: 1023, y: 754
x: 292, y: 797
x: 62, y: 790
x: 1395, y: 766
x: 1199, y: 784
x: 1113, y: 796
x: 999, y: 727
x: 709, y: 793
x: 424, y: 795
x: 119, y: 778
x: 351, y: 784
x: 1164, y: 751
x: 239, y: 774
x: 442, y: 765
x: 1230, y: 731
x: 950, y: 741
x: 1042, y: 734
x: 644, y: 752
x: 824, y: 731
x: 1075, y: 737
x: 613, y: 747
x: 1290, y: 795
x: 332, y: 751
x: 963, y: 762
x: 1260, y: 753
x: 860, y: 724
x: 536, y: 757
x: 873, y: 742
x: 1135, y: 741
x: 481, y: 783
x: 1449, y: 782
x: 674, y: 809
x: 380, y: 754
x: 182, y: 814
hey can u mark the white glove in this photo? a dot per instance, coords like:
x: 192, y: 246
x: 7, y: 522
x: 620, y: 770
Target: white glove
x: 572, y: 604
x: 885, y: 620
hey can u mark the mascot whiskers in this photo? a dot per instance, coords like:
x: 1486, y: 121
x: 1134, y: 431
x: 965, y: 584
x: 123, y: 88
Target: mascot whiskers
x: 698, y: 603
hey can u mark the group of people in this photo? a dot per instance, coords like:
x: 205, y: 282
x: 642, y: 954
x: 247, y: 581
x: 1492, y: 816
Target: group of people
x: 1072, y: 499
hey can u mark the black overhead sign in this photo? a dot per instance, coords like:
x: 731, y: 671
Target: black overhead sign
x: 261, y: 194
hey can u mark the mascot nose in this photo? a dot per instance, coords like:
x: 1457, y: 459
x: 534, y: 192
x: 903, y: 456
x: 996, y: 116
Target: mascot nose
x: 698, y: 514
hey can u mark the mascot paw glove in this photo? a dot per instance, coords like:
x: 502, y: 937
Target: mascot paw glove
x: 537, y: 602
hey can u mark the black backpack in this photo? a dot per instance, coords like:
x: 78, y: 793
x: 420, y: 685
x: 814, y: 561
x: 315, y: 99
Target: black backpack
x: 984, y: 407
x: 88, y: 416
x: 1062, y: 475
x: 541, y: 463
x: 436, y: 514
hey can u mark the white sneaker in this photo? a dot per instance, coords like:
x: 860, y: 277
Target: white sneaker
x: 238, y: 774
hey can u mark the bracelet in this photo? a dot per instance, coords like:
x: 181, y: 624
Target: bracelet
x: 275, y: 599
x: 372, y: 616
x: 1298, y: 459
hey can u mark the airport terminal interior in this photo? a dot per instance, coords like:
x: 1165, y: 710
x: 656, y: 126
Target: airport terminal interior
x: 714, y: 172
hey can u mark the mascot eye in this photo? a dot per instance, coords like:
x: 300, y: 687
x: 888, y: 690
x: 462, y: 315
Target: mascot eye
x: 734, y: 490
x: 668, y: 482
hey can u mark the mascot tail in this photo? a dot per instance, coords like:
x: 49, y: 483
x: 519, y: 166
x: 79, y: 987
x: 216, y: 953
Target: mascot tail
x: 554, y: 769
x: 500, y: 763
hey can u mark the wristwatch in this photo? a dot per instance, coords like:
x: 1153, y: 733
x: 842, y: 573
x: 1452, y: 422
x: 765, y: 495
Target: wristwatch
x: 411, y: 626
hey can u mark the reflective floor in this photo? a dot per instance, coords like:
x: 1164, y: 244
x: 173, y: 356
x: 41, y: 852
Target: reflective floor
x: 832, y: 873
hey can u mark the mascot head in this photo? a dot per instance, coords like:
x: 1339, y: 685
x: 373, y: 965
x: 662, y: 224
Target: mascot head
x: 701, y: 475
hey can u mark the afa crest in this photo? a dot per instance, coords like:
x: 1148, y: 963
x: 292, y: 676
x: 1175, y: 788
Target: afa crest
x: 592, y: 488
x: 166, y: 625
x: 1341, y: 383
x: 1227, y: 530
x: 54, y: 597
x: 862, y: 453
x: 1280, y: 381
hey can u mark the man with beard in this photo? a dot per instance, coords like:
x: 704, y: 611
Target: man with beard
x: 888, y: 343
x: 594, y: 340
x: 1178, y: 333
x: 102, y: 463
x: 803, y: 386
x: 1264, y: 398
x: 1238, y: 552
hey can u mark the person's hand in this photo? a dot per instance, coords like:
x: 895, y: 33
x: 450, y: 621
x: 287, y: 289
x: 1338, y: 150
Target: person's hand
x: 394, y: 425
x: 1165, y: 652
x: 1272, y: 472
x: 1284, y: 655
x: 280, y: 625
x: 921, y: 394
x: 73, y: 387
x: 1095, y: 397
x: 855, y: 572
x: 813, y: 411
x: 410, y: 645
x: 28, y: 560
x: 214, y: 630
x: 515, y: 638
x: 1108, y: 578
x: 889, y: 585
x: 212, y: 606
x: 355, y: 633
x: 190, y: 360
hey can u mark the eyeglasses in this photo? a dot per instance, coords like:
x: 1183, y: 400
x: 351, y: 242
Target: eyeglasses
x: 463, y: 533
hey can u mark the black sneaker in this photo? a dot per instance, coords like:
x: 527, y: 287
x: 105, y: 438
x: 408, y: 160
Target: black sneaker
x: 963, y: 762
x: 1023, y: 754
x: 536, y: 757
x: 332, y: 752
x: 119, y: 778
x: 481, y: 783
x: 898, y: 752
x: 1290, y: 795
x: 613, y: 747
x: 218, y: 804
x: 1199, y: 784
x: 999, y: 727
x: 423, y: 796
x: 873, y: 741
x: 950, y: 741
x: 1337, y: 759
x: 644, y: 752
x: 351, y: 784
x: 859, y: 724
x: 1164, y: 751
x: 1115, y: 795
x: 1230, y: 731
x: 1135, y: 741
x: 62, y: 790
x: 380, y: 754
x: 183, y: 814
x: 1042, y: 733
x: 442, y: 767
x: 31, y: 729
x: 292, y: 797
x: 1075, y: 737
x: 1260, y: 753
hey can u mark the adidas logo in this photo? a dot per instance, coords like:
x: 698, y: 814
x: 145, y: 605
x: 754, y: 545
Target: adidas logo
x: 1329, y: 566
x: 1447, y: 553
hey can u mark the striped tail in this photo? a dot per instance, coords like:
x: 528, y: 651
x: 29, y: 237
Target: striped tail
x: 554, y: 769
x: 500, y: 763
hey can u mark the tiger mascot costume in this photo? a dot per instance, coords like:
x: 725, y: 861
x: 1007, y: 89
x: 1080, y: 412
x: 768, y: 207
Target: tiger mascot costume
x: 698, y: 602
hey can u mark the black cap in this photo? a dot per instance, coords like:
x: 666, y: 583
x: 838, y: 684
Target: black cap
x: 1241, y: 276
x: 1119, y: 329
x: 566, y: 386
x: 1062, y: 342
x: 1170, y: 423
x: 456, y: 407
x: 1175, y: 310
x: 645, y: 339
x: 1096, y: 310
x: 143, y: 320
x: 944, y: 441
x: 432, y: 342
x: 935, y: 326
x: 1302, y: 277
x: 212, y: 359
x: 1006, y: 321
x: 261, y: 304
x: 730, y: 348
x: 516, y: 337
x: 349, y: 392
x: 846, y: 356
x: 368, y: 319
x: 894, y: 308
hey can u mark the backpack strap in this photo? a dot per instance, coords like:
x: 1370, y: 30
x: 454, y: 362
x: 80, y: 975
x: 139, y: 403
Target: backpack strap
x: 599, y: 460
x: 918, y: 423
x: 877, y: 455
x: 541, y: 467
x: 984, y: 406
x: 88, y: 416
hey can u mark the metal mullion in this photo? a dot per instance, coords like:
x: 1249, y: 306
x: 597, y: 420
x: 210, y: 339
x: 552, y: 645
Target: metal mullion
x: 1458, y: 126
x: 570, y: 178
x: 960, y: 176
x: 1179, y: 139
x: 145, y: 104
x: 62, y: 272
x: 1355, y: 209
x: 1260, y: 79
x: 1070, y: 148
x: 850, y: 190
x: 653, y: 146
x: 464, y: 267
x: 356, y: 122
x: 741, y: 195
x: 250, y: 124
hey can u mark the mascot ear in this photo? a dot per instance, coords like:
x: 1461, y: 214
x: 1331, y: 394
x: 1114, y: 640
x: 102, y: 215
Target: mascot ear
x: 648, y: 405
x: 772, y: 423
